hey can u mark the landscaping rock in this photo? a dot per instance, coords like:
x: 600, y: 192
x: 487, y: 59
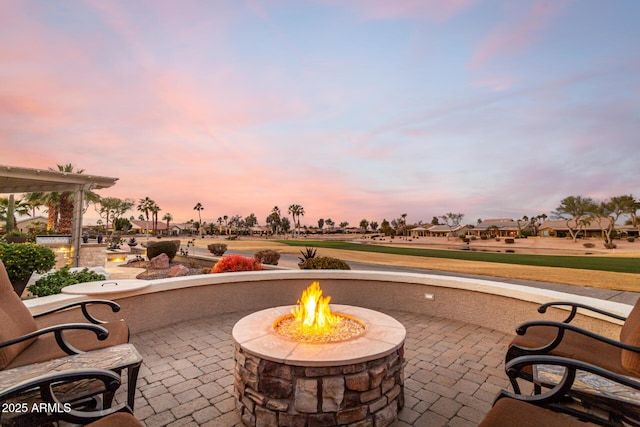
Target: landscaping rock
x: 159, y: 262
x: 177, y: 271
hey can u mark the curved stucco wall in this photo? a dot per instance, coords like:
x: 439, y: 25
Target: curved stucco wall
x: 494, y: 305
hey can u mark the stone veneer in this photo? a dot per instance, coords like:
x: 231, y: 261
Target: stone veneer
x: 281, y: 382
x: 93, y: 254
x: 361, y: 394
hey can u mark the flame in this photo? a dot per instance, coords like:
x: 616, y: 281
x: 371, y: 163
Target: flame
x: 313, y: 310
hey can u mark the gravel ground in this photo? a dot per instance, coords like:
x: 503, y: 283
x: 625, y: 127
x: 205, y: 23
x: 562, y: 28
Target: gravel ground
x: 152, y: 274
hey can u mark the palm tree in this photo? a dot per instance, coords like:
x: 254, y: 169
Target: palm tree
x: 144, y: 206
x: 34, y: 200
x: 167, y: 217
x: 66, y: 201
x: 154, y: 209
x: 274, y: 219
x: 296, y: 211
x: 198, y: 207
x: 364, y: 224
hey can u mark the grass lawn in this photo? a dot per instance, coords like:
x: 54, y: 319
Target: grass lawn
x: 599, y: 263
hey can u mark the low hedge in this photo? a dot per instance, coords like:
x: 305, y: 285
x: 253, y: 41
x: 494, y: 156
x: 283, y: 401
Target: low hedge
x: 218, y: 249
x: 268, y: 256
x: 164, y: 247
x: 52, y: 283
x: 324, y: 263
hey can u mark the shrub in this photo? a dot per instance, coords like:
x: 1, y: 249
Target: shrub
x: 52, y: 283
x: 163, y: 247
x: 509, y: 240
x: 308, y: 253
x: 22, y: 259
x: 589, y: 245
x: 610, y: 245
x: 268, y: 256
x: 631, y: 239
x: 218, y: 249
x: 233, y: 263
x: 205, y: 270
x: 177, y: 243
x: 324, y: 263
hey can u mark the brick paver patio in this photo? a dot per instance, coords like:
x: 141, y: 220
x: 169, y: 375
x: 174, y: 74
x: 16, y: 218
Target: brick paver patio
x: 454, y: 371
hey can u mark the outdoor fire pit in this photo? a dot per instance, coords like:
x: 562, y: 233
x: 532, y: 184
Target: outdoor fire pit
x: 340, y: 368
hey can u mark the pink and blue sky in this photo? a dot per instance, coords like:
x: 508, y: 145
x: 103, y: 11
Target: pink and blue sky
x: 351, y: 108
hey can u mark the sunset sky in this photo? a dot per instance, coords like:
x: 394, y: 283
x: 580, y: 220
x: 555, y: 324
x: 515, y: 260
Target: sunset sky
x: 351, y: 108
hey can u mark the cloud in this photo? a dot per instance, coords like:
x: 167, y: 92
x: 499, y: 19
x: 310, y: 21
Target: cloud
x: 518, y: 32
x: 407, y: 9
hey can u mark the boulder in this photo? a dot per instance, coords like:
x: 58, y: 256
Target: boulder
x: 178, y: 270
x: 160, y: 262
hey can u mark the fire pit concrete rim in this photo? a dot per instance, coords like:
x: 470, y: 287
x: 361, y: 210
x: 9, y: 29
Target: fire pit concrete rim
x: 255, y: 335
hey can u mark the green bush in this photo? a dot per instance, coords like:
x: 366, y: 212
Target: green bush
x: 164, y: 247
x: 324, y: 263
x: 218, y: 249
x: 52, y: 284
x: 22, y: 259
x: 268, y: 256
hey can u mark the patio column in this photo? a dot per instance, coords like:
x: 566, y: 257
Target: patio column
x: 76, y: 226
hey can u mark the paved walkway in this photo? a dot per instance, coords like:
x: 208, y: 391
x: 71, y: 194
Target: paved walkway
x: 454, y: 370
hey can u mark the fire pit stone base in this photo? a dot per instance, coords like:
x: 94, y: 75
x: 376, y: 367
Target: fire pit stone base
x: 361, y: 394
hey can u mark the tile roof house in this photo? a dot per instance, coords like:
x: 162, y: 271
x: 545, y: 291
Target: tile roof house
x: 444, y: 230
x: 142, y: 226
x: 420, y: 231
x: 502, y: 227
x: 560, y: 227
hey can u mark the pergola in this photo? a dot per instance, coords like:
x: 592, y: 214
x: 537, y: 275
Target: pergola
x: 15, y: 179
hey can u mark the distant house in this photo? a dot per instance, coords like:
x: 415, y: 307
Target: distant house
x: 26, y: 224
x: 142, y: 227
x: 560, y: 228
x: 502, y: 227
x: 260, y: 230
x: 420, y: 231
x: 444, y: 230
x: 180, y: 228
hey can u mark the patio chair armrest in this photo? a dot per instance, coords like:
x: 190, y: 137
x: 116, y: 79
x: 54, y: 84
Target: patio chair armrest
x: 562, y: 327
x: 115, y: 307
x: 45, y: 385
x: 574, y: 310
x: 58, y: 330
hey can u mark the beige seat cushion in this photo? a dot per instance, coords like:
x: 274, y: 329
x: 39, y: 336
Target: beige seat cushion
x: 574, y: 346
x: 46, y: 348
x: 119, y: 419
x: 630, y: 334
x: 511, y: 412
x: 15, y: 319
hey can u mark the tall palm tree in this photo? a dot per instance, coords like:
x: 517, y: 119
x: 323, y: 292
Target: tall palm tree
x: 274, y: 219
x: 167, y: 217
x: 66, y: 201
x: 154, y: 209
x: 296, y: 211
x: 144, y: 206
x: 198, y: 207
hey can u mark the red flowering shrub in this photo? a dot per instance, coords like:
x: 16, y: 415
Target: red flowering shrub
x: 236, y: 263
